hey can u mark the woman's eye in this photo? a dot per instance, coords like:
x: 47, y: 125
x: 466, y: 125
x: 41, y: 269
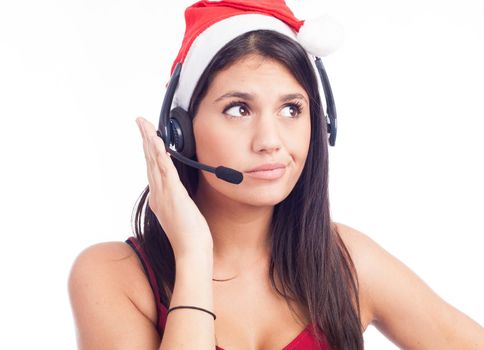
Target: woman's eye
x: 236, y: 110
x: 291, y: 111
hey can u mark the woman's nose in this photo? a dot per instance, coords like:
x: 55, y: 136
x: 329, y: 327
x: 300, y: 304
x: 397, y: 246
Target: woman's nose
x: 266, y: 134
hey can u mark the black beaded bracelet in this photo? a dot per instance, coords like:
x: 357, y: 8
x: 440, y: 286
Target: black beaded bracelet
x: 192, y: 307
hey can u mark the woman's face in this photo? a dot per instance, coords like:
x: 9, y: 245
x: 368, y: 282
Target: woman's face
x: 254, y: 113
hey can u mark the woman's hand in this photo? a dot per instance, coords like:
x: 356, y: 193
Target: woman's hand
x: 176, y: 212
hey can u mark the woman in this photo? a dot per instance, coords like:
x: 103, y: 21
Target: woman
x: 259, y: 264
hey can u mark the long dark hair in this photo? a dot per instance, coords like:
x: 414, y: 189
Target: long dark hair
x: 307, y: 255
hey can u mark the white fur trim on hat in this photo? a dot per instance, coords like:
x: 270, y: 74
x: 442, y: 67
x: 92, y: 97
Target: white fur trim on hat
x: 321, y: 36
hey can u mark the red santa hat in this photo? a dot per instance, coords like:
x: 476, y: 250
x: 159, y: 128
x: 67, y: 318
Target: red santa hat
x: 211, y: 24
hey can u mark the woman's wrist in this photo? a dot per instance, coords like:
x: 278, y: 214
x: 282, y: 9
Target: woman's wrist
x: 195, y: 261
x: 197, y: 249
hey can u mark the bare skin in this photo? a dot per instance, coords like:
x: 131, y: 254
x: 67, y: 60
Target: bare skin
x: 112, y: 299
x: 392, y: 298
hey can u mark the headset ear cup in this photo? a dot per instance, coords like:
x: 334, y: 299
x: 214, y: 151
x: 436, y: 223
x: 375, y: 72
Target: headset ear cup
x: 182, y: 132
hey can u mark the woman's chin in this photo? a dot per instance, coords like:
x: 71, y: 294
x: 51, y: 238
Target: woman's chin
x: 263, y: 198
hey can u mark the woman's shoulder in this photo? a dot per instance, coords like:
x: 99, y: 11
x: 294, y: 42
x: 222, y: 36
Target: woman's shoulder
x: 360, y: 246
x: 351, y: 237
x: 113, y: 267
x: 105, y: 251
x: 101, y: 257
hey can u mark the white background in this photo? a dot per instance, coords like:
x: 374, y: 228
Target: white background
x: 406, y: 170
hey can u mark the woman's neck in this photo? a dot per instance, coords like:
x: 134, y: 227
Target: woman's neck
x: 240, y: 232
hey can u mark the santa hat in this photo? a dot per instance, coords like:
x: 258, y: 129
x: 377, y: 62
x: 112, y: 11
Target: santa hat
x: 212, y: 24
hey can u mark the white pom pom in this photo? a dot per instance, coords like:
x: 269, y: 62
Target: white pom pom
x: 321, y: 36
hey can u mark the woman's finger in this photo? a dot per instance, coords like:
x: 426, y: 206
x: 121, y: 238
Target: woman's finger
x: 159, y: 153
x: 154, y: 178
x: 163, y: 157
x: 160, y: 150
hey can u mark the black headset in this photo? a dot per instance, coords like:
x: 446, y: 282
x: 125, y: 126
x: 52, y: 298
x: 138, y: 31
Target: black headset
x: 175, y: 127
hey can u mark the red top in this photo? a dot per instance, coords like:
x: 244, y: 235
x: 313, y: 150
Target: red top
x: 303, y: 340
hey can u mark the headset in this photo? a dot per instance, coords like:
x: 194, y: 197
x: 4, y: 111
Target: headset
x: 175, y: 127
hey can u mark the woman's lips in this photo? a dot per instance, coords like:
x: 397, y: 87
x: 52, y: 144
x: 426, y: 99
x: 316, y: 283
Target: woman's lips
x: 267, y: 174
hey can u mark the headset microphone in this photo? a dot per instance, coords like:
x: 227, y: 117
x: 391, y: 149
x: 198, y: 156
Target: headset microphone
x: 224, y: 173
x: 175, y: 130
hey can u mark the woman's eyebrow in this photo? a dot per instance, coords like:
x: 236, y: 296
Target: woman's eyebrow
x: 239, y: 94
x: 250, y: 97
x: 295, y: 96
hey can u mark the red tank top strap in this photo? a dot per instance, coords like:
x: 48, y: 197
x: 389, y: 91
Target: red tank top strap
x: 161, y: 309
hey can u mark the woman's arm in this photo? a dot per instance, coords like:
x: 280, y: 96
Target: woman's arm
x: 188, y: 328
x: 402, y: 306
